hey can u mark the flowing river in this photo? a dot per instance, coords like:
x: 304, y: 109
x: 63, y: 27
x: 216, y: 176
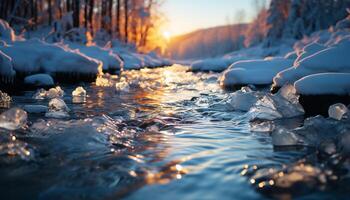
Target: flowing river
x: 165, y: 137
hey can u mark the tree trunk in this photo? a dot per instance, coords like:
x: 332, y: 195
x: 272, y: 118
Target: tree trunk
x: 91, y: 16
x: 76, y: 14
x: 50, y: 11
x: 86, y: 16
x: 126, y: 23
x: 118, y: 9
x: 110, y: 12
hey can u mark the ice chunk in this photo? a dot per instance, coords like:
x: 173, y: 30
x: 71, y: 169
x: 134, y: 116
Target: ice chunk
x: 122, y: 86
x: 5, y: 100
x: 244, y: 99
x: 285, y: 137
x: 262, y: 127
x: 56, y: 92
x: 57, y: 109
x: 14, y: 147
x: 337, y: 111
x: 35, y: 109
x: 13, y: 119
x: 79, y: 92
x: 284, y: 104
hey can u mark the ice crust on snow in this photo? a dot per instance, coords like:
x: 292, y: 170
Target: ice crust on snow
x: 39, y: 80
x: 337, y: 111
x: 13, y: 119
x: 57, y: 109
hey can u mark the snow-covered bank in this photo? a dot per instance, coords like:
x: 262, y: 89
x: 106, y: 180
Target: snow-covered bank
x: 63, y: 59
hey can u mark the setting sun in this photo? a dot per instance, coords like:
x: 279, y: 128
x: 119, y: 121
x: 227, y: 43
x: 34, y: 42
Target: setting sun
x: 167, y: 35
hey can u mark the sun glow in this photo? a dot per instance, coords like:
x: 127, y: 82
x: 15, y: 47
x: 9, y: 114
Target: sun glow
x: 167, y: 35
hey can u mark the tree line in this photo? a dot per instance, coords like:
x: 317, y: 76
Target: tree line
x: 131, y: 21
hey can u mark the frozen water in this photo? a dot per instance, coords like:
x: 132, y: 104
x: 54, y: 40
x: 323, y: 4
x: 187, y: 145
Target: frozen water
x: 13, y: 119
x: 35, y: 109
x: 57, y: 109
x: 285, y: 137
x: 122, y: 86
x: 5, y: 100
x: 284, y: 104
x: 337, y: 111
x: 263, y: 127
x: 14, y: 147
x: 244, y: 99
x: 79, y: 92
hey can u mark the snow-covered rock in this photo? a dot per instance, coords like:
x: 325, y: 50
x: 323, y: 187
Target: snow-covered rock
x: 13, y: 119
x: 49, y: 58
x: 324, y: 84
x: 215, y: 64
x: 110, y: 60
x: 254, y: 72
x: 332, y: 59
x: 337, y: 111
x: 39, y: 80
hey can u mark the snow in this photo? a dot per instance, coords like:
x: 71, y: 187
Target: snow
x: 110, y: 60
x: 39, y: 80
x: 318, y: 58
x: 49, y: 58
x: 255, y: 72
x: 79, y: 92
x: 337, y: 111
x: 57, y: 109
x: 324, y: 84
x: 13, y: 119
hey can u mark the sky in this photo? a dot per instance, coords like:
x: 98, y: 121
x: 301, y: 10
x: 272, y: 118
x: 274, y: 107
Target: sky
x: 183, y: 16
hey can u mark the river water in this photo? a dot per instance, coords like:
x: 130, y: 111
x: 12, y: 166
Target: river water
x: 162, y: 138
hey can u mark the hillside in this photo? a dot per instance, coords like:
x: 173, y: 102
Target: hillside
x: 208, y: 42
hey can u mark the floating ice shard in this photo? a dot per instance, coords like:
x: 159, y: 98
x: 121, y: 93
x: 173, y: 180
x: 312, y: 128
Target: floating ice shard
x: 13, y: 119
x: 122, y: 86
x: 57, y: 109
x: 55, y: 93
x: 285, y: 137
x: 337, y: 111
x: 263, y: 127
x: 79, y: 92
x: 52, y: 93
x: 5, y: 100
x: 244, y: 99
x: 284, y: 104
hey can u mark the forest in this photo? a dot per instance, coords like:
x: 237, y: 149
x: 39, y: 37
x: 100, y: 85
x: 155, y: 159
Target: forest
x: 131, y: 21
